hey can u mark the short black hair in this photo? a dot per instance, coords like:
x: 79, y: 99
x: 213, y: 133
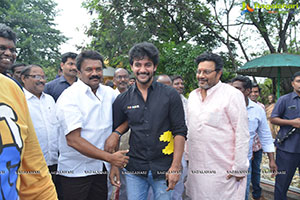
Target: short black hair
x: 7, y: 32
x: 131, y: 76
x: 16, y: 65
x: 295, y: 75
x: 27, y: 69
x: 247, y: 83
x: 207, y: 56
x: 173, y: 78
x: 144, y: 49
x: 254, y: 85
x: 67, y: 55
x: 88, y: 54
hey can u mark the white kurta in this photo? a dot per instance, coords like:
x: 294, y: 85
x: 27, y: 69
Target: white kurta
x: 218, y: 144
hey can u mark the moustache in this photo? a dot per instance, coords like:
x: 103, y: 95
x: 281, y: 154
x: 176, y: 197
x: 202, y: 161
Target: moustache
x: 73, y: 70
x: 123, y: 82
x: 203, y: 79
x: 95, y: 77
x: 40, y: 83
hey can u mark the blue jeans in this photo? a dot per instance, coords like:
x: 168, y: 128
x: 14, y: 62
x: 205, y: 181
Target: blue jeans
x: 138, y: 187
x: 248, y: 180
x: 255, y: 174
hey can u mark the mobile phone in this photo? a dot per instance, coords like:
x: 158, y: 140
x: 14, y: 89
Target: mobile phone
x: 167, y: 182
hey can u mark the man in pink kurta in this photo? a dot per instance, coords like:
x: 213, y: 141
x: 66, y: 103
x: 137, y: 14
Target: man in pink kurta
x: 218, y: 136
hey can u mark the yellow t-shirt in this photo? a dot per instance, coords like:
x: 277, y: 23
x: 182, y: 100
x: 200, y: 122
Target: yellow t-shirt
x: 23, y: 170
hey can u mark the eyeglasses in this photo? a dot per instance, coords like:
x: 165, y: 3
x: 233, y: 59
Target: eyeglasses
x: 120, y: 77
x: 207, y: 71
x: 37, y: 77
x: 4, y: 48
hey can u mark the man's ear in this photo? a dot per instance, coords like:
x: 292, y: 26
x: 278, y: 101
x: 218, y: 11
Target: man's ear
x: 155, y: 68
x: 22, y: 78
x: 61, y: 65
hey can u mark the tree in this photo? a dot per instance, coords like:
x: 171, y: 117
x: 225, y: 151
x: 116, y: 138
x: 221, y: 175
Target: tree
x: 172, y: 25
x: 275, y: 27
x: 37, y: 39
x: 179, y: 59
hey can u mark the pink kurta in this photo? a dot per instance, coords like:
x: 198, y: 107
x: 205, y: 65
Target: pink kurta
x: 218, y: 144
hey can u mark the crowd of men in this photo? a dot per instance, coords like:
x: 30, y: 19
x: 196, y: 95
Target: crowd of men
x: 143, y: 139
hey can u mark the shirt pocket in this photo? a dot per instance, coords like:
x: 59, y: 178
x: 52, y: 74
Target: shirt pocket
x: 214, y: 119
x: 292, y: 112
x: 135, y: 116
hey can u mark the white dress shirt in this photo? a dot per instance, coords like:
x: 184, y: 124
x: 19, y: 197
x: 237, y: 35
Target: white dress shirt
x: 258, y: 123
x: 79, y: 107
x: 42, y: 111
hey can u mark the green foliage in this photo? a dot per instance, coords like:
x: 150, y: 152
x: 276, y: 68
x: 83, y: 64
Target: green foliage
x: 174, y: 26
x: 37, y: 39
x: 50, y: 72
x: 179, y: 59
x: 266, y: 90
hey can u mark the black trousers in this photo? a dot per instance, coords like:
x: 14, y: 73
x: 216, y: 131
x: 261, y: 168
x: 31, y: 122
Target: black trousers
x: 56, y: 180
x: 92, y: 187
x: 287, y: 164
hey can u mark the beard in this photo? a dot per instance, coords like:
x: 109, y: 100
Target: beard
x: 144, y: 82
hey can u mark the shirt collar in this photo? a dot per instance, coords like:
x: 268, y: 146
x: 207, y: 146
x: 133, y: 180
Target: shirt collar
x: 62, y: 79
x: 251, y: 104
x: 85, y: 88
x: 29, y: 95
x: 294, y: 95
x: 117, y: 91
x: 212, y: 89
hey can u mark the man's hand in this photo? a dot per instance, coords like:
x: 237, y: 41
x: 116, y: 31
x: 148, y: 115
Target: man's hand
x: 173, y: 176
x: 119, y: 159
x: 296, y: 123
x: 238, y: 178
x: 273, y: 168
x: 114, y: 176
x: 111, y: 143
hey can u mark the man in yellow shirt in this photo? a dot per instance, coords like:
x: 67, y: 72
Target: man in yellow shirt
x: 23, y: 170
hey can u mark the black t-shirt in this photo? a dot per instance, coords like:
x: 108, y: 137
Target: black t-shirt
x: 150, y: 122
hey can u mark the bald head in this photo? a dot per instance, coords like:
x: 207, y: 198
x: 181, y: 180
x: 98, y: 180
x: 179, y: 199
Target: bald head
x: 164, y: 79
x: 121, y: 79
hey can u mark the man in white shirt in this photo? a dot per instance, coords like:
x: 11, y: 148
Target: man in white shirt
x: 42, y: 111
x: 121, y: 82
x: 177, y: 83
x: 85, y: 115
x: 258, y: 124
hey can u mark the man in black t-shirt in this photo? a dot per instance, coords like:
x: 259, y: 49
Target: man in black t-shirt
x: 155, y: 116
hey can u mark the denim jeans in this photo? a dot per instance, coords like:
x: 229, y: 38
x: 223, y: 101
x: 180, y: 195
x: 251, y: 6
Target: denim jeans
x: 255, y: 174
x: 138, y: 187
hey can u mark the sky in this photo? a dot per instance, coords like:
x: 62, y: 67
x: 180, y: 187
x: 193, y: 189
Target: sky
x: 72, y: 21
